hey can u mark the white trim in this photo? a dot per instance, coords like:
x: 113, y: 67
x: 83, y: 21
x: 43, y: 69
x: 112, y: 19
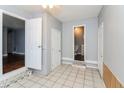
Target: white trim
x: 18, y: 53
x: 91, y: 66
x: 84, y: 40
x: 66, y: 60
x: 14, y: 53
x: 13, y: 73
x: 91, y: 62
x: 12, y: 14
x: 72, y: 60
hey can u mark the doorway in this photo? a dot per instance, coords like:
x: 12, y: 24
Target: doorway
x: 79, y: 41
x: 13, y: 43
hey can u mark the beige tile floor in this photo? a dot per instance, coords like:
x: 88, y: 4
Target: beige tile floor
x: 64, y: 76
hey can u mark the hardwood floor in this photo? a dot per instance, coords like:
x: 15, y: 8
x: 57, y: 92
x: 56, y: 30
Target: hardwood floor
x: 13, y: 62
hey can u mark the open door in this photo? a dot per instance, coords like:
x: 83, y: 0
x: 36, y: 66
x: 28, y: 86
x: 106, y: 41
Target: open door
x: 100, y: 49
x: 34, y: 43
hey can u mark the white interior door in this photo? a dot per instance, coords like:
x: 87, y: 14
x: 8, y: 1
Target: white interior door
x: 55, y: 48
x: 100, y: 49
x: 34, y: 43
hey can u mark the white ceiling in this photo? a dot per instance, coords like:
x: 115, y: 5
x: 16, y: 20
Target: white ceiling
x: 77, y: 12
x: 64, y: 13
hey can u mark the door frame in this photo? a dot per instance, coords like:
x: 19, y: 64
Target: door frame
x: 15, y: 72
x: 85, y: 42
x: 99, y: 29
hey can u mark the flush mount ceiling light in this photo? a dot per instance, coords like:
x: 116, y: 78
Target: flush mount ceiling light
x: 48, y: 6
x: 52, y: 8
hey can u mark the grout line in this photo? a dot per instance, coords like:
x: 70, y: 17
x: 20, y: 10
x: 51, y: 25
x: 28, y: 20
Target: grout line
x: 84, y: 77
x: 76, y: 77
x: 59, y: 76
x: 67, y: 76
x: 93, y: 79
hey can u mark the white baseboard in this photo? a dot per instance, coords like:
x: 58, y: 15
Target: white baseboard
x: 5, y: 55
x: 66, y: 60
x: 19, y: 53
x: 91, y: 62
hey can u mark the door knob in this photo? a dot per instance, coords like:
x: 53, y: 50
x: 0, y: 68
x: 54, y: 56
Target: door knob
x: 39, y: 46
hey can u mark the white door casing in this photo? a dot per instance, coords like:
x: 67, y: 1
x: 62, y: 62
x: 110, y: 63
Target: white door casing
x: 100, y: 49
x: 15, y: 72
x: 34, y: 43
x: 55, y: 48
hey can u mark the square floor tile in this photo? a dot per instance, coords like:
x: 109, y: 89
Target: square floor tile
x: 64, y: 76
x: 72, y: 75
x: 53, y: 78
x: 36, y: 86
x: 57, y: 75
x: 99, y: 85
x: 88, y: 86
x: 77, y: 85
x: 68, y: 83
x: 79, y: 80
x: 42, y: 81
x: 88, y: 83
x: 28, y: 84
x: 14, y: 85
x: 49, y: 83
x: 57, y: 85
x: 22, y: 81
x: 71, y: 78
x: 61, y: 81
x: 89, y: 78
x: 64, y: 86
